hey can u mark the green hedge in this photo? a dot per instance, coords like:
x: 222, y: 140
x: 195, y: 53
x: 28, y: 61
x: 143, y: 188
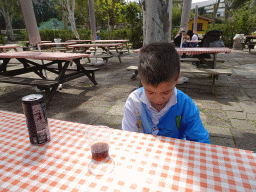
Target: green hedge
x: 134, y: 35
x: 2, y: 39
x: 64, y: 35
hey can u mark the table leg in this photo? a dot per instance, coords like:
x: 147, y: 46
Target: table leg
x: 80, y: 67
x: 119, y: 54
x: 63, y: 70
x: 4, y: 65
x: 49, y: 93
x: 214, y: 61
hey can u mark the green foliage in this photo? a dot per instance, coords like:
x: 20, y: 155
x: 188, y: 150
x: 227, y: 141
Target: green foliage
x: 132, y: 10
x: 64, y: 35
x: 2, y: 40
x: 84, y: 34
x: 242, y: 21
x: 104, y: 34
x: 120, y: 34
x: 176, y: 16
x: 108, y: 11
x: 136, y: 35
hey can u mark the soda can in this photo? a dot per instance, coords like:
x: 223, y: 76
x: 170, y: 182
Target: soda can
x: 37, y: 123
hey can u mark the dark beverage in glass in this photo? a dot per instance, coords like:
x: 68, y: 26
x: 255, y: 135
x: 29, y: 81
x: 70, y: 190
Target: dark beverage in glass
x: 99, y: 151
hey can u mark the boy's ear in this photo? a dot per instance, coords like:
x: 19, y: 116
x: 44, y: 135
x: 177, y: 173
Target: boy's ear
x: 178, y: 78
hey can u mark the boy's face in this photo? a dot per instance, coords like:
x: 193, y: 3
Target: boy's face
x: 160, y: 95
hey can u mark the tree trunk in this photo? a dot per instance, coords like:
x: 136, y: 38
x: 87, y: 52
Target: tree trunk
x: 71, y: 16
x: 215, y: 11
x: 157, y: 18
x: 86, y: 19
x: 253, y: 3
x: 9, y: 30
x: 8, y: 22
x: 228, y: 6
x: 64, y: 15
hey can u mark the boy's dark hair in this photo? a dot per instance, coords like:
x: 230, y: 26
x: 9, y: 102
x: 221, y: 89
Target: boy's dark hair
x: 159, y: 62
x: 190, y: 34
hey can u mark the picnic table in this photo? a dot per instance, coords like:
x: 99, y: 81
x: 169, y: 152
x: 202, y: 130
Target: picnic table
x: 80, y: 41
x: 107, y: 53
x: 123, y: 41
x: 58, y: 64
x: 61, y: 46
x: 142, y: 162
x: 198, y: 51
x: 249, y: 42
x: 3, y: 48
x: 27, y: 42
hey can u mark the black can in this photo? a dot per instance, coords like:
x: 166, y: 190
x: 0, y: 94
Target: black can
x: 34, y: 110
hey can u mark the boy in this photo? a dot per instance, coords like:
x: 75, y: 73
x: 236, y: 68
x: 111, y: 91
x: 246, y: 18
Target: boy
x: 158, y: 108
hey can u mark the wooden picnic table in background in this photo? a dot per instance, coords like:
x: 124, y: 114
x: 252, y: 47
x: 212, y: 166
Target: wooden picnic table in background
x: 62, y: 46
x: 27, y: 42
x: 105, y: 47
x: 123, y: 41
x: 80, y: 41
x: 59, y: 65
x: 142, y: 162
x: 3, y: 48
x: 198, y: 51
x: 249, y: 42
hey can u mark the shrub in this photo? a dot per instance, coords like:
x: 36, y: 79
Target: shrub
x: 2, y: 39
x: 64, y: 35
x: 136, y: 35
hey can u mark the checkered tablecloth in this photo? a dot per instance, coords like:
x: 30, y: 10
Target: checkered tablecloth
x: 96, y: 45
x: 142, y: 162
x: 198, y: 50
x: 44, y: 55
x: 201, y: 50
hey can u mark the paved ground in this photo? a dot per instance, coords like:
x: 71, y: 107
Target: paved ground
x: 229, y: 114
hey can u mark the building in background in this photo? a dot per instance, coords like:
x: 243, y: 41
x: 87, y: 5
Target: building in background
x: 207, y: 7
x: 202, y: 24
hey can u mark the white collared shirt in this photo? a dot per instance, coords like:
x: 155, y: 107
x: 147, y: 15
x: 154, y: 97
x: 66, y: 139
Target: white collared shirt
x: 133, y: 106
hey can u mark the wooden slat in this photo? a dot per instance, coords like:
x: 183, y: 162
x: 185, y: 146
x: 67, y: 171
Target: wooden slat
x: 196, y: 59
x: 27, y: 81
x: 194, y: 70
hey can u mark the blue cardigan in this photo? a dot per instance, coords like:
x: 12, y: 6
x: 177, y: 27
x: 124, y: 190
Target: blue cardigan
x: 181, y: 121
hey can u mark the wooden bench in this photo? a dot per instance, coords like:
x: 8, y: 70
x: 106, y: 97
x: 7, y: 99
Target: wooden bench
x: 213, y: 72
x: 121, y: 53
x: 103, y: 56
x: 251, y: 46
x: 26, y: 48
x: 196, y: 59
x: 44, y: 83
x: 50, y: 86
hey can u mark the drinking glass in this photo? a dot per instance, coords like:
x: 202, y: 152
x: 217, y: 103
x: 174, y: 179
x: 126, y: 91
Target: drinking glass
x: 99, y: 144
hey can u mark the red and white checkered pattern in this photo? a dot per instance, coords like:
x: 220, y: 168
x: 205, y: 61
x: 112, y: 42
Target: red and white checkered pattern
x: 112, y: 41
x: 96, y: 45
x: 54, y: 44
x: 197, y: 50
x: 4, y: 47
x: 142, y: 162
x: 44, y: 55
x: 79, y: 41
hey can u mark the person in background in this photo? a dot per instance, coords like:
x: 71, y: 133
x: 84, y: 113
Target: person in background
x: 194, y: 38
x: 97, y: 35
x: 159, y: 108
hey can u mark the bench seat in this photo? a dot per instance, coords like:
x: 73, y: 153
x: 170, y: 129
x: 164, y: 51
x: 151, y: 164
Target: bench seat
x: 103, y: 56
x: 44, y: 83
x: 213, y: 72
x: 196, y: 59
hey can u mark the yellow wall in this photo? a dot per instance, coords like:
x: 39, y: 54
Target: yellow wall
x: 205, y: 25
